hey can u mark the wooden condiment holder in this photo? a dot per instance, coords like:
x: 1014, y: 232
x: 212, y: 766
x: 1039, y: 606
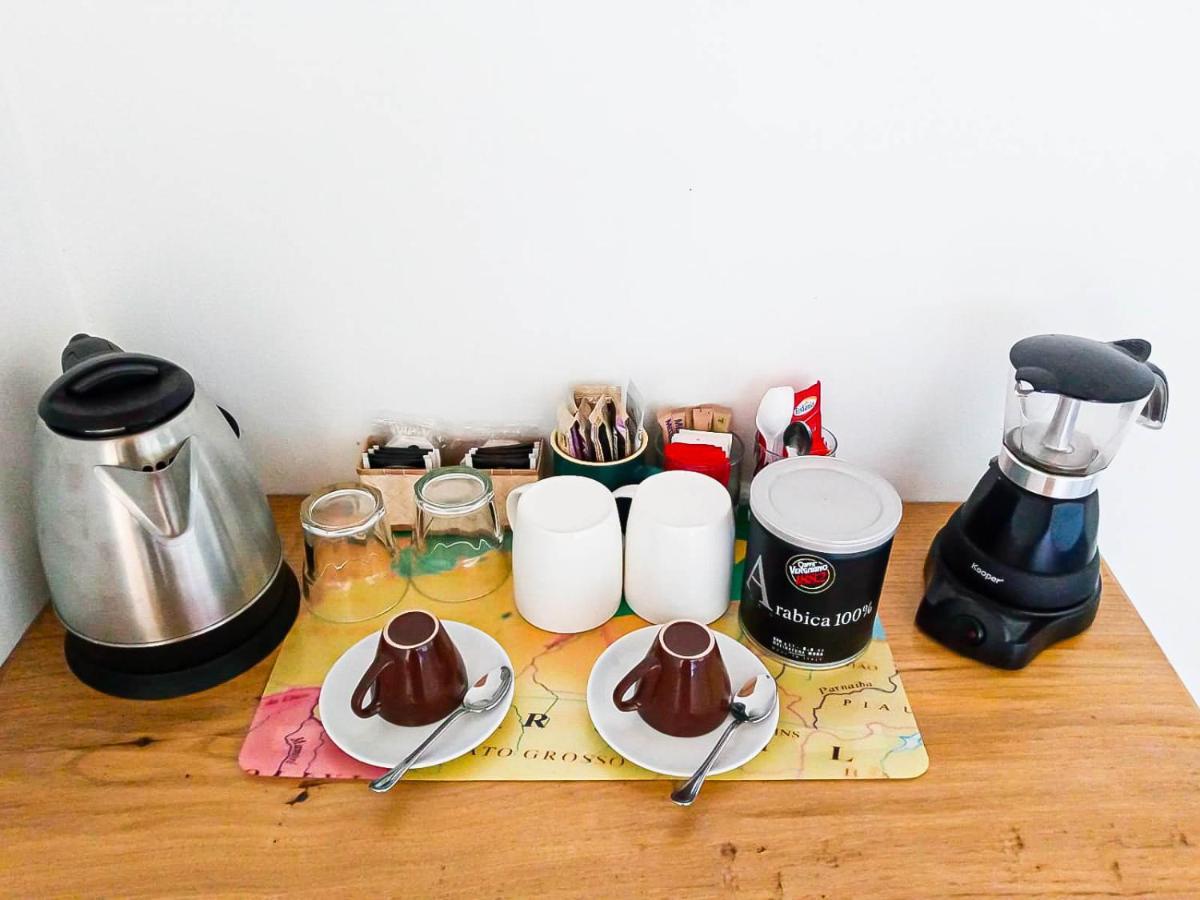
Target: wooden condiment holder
x: 397, y: 485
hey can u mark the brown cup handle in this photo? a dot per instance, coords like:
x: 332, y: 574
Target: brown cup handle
x: 644, y: 674
x: 378, y: 664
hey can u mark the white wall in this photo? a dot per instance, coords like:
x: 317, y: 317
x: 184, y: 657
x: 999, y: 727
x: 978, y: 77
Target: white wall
x: 37, y: 309
x: 327, y: 210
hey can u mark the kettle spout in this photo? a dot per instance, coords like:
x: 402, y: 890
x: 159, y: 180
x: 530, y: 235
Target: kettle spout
x: 159, y: 500
x: 1154, y: 413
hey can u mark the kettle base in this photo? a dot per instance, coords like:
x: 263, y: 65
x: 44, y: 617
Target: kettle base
x: 989, y: 630
x: 193, y: 664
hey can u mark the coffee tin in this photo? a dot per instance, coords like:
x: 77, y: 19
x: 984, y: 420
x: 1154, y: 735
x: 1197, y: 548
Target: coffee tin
x: 821, y: 532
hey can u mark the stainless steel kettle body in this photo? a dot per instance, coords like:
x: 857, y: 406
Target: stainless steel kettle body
x: 156, y: 536
x: 158, y: 544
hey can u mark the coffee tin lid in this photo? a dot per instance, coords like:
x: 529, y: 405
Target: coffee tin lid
x: 825, y: 505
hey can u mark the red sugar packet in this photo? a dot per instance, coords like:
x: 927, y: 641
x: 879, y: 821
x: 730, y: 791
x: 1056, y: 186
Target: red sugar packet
x: 807, y: 409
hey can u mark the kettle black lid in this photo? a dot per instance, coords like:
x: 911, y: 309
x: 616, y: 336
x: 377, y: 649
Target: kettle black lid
x: 106, y: 392
x: 1094, y: 371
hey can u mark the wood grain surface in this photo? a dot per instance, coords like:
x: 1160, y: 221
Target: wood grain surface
x: 1078, y: 776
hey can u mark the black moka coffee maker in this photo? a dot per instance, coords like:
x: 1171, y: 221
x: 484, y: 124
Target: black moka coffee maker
x: 1017, y: 568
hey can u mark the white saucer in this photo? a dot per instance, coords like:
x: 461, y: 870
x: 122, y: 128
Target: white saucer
x: 626, y: 733
x: 380, y: 743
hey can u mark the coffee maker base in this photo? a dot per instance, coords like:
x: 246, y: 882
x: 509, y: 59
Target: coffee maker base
x: 994, y: 633
x: 193, y: 664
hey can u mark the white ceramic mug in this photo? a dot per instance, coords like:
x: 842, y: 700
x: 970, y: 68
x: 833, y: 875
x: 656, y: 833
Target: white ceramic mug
x: 566, y: 556
x: 678, y: 547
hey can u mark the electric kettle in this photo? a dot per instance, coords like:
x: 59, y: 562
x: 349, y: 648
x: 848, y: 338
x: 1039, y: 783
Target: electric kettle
x: 160, y: 551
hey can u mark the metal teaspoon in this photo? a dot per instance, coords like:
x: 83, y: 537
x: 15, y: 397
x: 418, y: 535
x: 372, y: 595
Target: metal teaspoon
x: 481, y: 697
x: 754, y: 702
x: 797, y: 439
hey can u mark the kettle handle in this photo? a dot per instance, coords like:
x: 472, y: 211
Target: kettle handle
x: 82, y: 346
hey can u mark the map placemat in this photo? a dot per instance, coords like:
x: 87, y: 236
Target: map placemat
x: 851, y: 722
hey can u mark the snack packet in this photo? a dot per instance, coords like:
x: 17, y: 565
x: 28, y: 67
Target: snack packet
x: 722, y: 418
x: 672, y: 421
x: 807, y: 409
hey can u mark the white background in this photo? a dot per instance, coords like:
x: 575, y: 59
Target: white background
x: 454, y: 209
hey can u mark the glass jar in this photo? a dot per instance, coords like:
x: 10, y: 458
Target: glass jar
x: 351, y: 570
x: 457, y: 539
x: 731, y: 479
x: 765, y: 457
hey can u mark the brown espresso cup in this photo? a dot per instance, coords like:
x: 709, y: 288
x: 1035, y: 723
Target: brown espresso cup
x: 681, y: 687
x: 417, y: 676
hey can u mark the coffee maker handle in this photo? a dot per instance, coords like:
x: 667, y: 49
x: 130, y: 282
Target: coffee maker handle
x: 237, y: 429
x: 83, y: 346
x: 1154, y: 413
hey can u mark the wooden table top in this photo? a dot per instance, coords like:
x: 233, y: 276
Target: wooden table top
x: 1079, y: 775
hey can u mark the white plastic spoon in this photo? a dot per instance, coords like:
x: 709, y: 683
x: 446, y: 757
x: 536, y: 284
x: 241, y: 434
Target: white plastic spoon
x: 774, y: 416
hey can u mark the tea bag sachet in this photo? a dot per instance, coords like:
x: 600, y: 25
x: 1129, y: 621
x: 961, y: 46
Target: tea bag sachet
x: 612, y: 436
x: 607, y: 420
x: 570, y: 437
x: 594, y: 392
x: 600, y: 434
x: 635, y: 408
x: 583, y: 421
x: 621, y: 420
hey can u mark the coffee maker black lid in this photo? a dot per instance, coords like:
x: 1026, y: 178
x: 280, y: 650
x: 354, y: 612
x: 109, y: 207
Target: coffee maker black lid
x: 1094, y: 371
x: 105, y: 392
